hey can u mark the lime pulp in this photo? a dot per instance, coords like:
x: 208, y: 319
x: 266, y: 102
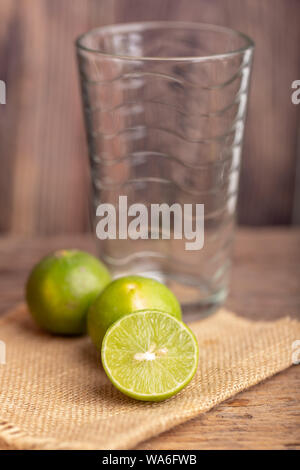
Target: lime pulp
x: 149, y: 355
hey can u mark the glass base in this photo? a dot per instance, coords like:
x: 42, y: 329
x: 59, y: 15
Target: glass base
x: 197, y: 299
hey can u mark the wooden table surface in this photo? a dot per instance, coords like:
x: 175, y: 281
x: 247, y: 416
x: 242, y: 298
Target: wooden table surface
x: 265, y: 285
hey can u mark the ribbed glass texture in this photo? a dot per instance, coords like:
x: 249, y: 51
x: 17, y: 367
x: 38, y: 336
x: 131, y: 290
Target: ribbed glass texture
x: 165, y: 108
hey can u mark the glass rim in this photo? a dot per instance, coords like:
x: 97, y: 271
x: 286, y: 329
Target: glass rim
x: 144, y: 25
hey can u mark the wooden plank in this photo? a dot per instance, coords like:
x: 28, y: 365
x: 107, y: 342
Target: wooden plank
x: 265, y: 286
x: 43, y: 141
x: 269, y: 157
x: 44, y: 178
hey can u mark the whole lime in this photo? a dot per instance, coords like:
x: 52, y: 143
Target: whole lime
x: 126, y: 295
x: 61, y: 287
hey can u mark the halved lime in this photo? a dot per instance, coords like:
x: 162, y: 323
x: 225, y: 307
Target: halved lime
x: 149, y: 355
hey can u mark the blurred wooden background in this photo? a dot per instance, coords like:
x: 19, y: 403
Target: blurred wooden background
x: 44, y: 171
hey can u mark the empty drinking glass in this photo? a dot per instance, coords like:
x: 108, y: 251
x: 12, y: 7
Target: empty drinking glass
x: 165, y: 106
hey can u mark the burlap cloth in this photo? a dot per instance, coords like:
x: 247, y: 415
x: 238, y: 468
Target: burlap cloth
x: 55, y: 395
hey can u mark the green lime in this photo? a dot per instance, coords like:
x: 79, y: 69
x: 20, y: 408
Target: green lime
x: 149, y: 355
x: 61, y: 288
x: 126, y: 295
